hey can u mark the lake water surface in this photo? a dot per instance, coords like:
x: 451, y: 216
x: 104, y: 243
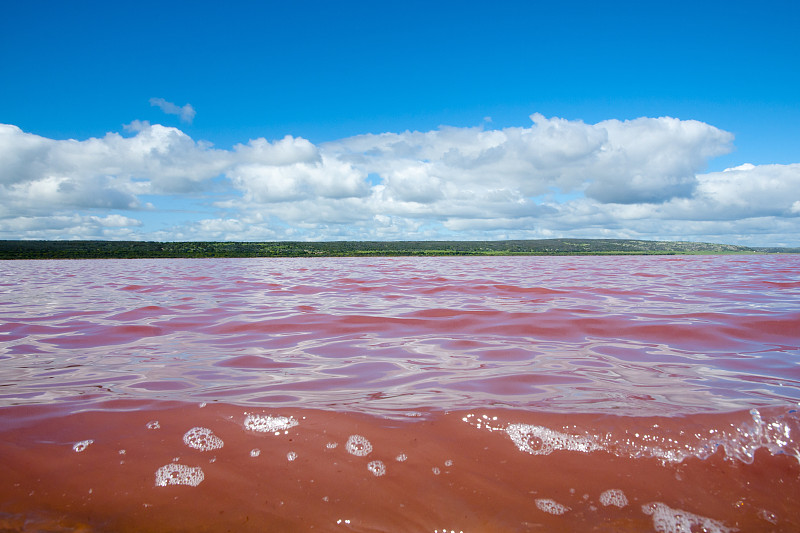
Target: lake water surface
x: 615, y: 393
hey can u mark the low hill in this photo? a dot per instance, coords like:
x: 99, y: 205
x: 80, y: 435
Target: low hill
x: 11, y: 249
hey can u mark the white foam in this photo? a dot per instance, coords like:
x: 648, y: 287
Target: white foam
x: 153, y: 424
x: 82, y: 445
x: 202, y: 439
x: 669, y: 520
x: 377, y: 468
x: 358, y: 445
x: 291, y: 456
x: 614, y: 497
x: 177, y: 474
x: 255, y: 452
x: 400, y: 458
x: 269, y: 423
x: 539, y: 440
x: 551, y: 506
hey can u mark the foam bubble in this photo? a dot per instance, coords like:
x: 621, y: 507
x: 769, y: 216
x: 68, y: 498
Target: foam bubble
x: 269, y: 423
x: 332, y: 445
x: 153, y: 424
x: 255, y: 452
x: 539, y: 440
x: 82, y: 445
x: 291, y: 456
x: 768, y: 516
x: 377, y: 468
x: 614, y: 497
x: 202, y: 439
x: 358, y: 445
x: 669, y: 520
x: 400, y: 458
x: 177, y: 474
x: 551, y: 506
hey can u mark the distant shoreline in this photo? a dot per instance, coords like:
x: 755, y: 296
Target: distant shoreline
x: 23, y: 249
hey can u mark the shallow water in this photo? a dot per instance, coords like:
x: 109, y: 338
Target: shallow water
x: 522, y: 393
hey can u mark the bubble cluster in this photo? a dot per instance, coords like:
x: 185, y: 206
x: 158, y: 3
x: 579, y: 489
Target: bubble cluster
x: 291, y: 456
x: 377, y: 468
x: 331, y: 445
x: 551, y: 506
x: 669, y: 520
x: 482, y: 422
x: 539, y: 440
x: 269, y: 423
x: 153, y: 424
x: 82, y: 445
x: 177, y: 474
x: 401, y: 458
x: 255, y: 452
x: 358, y: 445
x: 202, y: 439
x: 614, y: 497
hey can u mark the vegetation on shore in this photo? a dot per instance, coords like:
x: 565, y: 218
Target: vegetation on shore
x: 19, y: 249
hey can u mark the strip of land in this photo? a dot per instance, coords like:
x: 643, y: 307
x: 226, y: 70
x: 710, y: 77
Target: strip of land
x: 22, y: 249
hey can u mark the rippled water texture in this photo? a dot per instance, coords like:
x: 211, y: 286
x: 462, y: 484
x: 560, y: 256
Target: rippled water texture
x: 634, y: 335
x: 401, y: 394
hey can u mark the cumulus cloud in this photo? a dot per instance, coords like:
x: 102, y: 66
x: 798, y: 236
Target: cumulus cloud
x: 186, y: 113
x: 156, y: 160
x: 647, y: 159
x: 641, y: 178
x: 746, y: 191
x: 292, y: 169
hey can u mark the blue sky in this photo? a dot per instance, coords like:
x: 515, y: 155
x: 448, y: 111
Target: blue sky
x: 411, y: 120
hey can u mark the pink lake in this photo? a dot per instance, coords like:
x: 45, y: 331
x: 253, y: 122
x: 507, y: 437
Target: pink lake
x: 495, y: 394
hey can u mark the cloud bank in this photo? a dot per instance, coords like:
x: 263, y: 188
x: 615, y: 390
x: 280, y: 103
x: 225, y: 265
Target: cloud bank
x: 644, y: 178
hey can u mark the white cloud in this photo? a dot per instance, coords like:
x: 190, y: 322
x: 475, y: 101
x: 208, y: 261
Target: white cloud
x: 640, y: 178
x: 74, y: 226
x: 647, y: 159
x: 136, y: 126
x: 156, y: 160
x: 186, y: 113
x: 291, y: 169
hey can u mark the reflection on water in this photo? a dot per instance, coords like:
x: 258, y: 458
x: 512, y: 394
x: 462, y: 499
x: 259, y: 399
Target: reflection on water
x: 631, y: 334
x: 394, y: 394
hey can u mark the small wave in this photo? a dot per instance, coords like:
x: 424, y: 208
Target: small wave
x: 669, y: 440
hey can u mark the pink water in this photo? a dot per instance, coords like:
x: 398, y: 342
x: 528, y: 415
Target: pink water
x: 522, y: 394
